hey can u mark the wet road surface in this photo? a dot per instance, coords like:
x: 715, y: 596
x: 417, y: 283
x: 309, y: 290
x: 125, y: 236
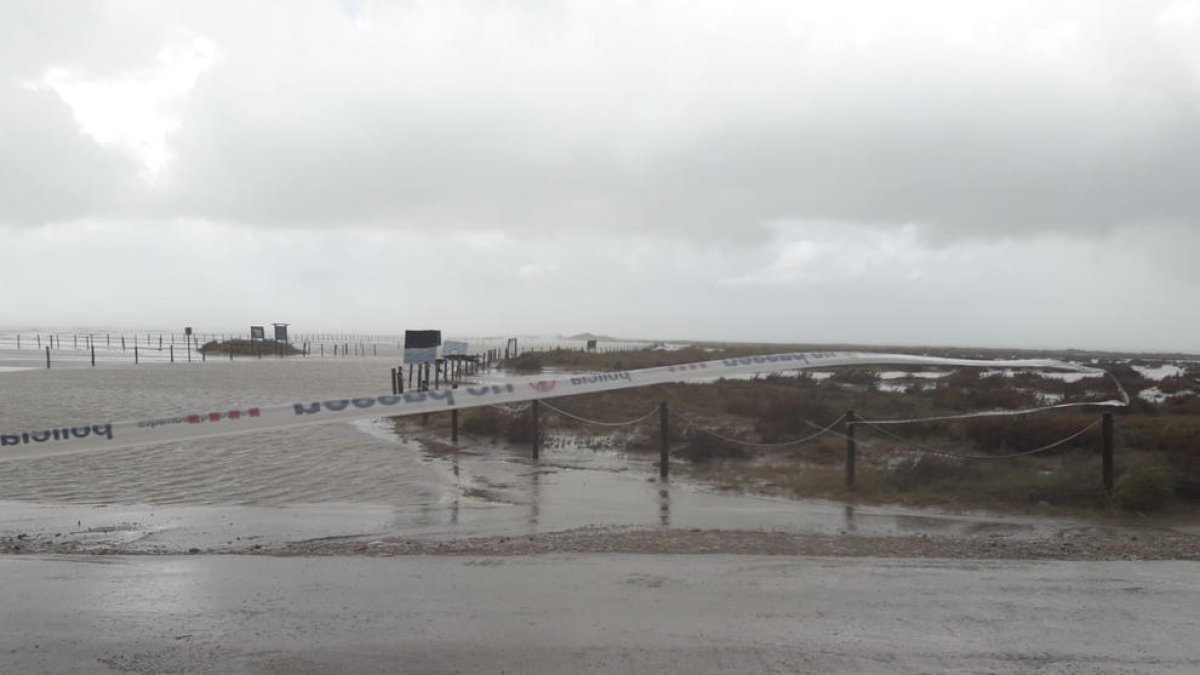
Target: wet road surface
x: 594, y: 614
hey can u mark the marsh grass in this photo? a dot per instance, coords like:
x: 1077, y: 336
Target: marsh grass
x: 1158, y: 448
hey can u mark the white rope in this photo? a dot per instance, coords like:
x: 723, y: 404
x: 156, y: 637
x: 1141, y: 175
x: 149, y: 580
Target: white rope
x: 824, y: 430
x: 981, y: 458
x: 573, y: 416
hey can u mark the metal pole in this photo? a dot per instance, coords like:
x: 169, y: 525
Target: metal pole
x: 851, y: 448
x: 1107, y: 448
x: 665, y: 449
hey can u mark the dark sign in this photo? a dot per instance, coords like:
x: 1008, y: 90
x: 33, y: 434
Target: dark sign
x: 422, y: 339
x: 591, y: 345
x: 187, y: 330
x: 258, y: 333
x: 281, y: 332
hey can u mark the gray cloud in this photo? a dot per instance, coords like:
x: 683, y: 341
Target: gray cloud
x: 700, y: 123
x: 49, y: 171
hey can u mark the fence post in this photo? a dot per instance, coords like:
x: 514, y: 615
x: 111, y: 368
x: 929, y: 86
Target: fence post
x: 172, y: 348
x: 135, y: 354
x: 394, y: 392
x: 665, y: 450
x: 454, y: 426
x: 537, y: 430
x: 1107, y: 449
x: 851, y: 450
x: 47, y: 358
x: 93, y: 356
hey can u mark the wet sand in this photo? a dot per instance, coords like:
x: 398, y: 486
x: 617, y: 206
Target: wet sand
x: 595, y: 614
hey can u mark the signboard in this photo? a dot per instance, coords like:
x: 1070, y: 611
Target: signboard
x: 419, y: 339
x: 454, y: 348
x: 187, y: 330
x: 258, y: 333
x: 420, y: 346
x: 280, y: 332
x: 591, y: 345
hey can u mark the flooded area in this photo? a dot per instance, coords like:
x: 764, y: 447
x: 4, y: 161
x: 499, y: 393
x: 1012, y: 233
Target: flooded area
x: 362, y: 479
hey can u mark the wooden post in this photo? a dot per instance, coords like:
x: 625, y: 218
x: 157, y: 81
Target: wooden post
x: 75, y: 342
x: 394, y: 392
x: 664, y: 454
x: 454, y: 425
x: 122, y: 343
x: 189, y: 344
x: 400, y: 378
x: 851, y: 449
x: 537, y: 429
x: 172, y: 347
x: 1107, y: 450
x: 135, y: 354
x: 93, y: 356
x: 47, y: 358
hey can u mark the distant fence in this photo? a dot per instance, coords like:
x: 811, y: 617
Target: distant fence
x: 46, y: 349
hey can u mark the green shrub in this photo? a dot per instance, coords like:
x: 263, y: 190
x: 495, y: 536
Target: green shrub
x: 529, y: 362
x: 483, y: 421
x: 1145, y: 489
x: 700, y: 446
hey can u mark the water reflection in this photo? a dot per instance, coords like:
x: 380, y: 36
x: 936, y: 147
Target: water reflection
x: 457, y: 492
x: 664, y: 506
x: 535, y: 497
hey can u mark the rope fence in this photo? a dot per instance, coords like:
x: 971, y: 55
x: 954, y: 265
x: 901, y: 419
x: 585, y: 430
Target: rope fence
x: 693, y: 425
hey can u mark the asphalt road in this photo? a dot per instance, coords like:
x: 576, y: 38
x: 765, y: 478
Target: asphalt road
x: 594, y: 614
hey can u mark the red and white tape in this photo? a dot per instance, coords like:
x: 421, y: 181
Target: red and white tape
x: 86, y: 435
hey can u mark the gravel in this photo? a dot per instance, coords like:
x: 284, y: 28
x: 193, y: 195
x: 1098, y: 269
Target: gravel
x: 1075, y: 544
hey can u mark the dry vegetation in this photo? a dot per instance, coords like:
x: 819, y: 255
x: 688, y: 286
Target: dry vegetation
x: 1157, y: 456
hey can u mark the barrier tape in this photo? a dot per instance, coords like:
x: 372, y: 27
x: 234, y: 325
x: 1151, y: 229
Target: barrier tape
x: 79, y: 436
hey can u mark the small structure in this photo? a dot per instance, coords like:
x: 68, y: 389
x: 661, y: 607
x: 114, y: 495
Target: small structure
x: 281, y: 334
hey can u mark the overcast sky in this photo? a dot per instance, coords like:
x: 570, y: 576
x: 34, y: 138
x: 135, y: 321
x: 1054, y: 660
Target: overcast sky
x: 1004, y: 173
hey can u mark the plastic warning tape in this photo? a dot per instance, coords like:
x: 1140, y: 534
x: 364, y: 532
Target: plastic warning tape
x: 86, y: 435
